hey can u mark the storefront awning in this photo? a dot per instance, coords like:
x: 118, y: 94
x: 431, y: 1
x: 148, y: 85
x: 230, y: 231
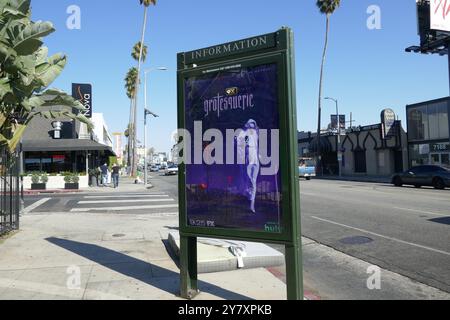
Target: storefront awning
x: 64, y: 145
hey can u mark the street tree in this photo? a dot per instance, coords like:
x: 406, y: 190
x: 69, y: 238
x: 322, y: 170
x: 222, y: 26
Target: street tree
x: 137, y: 51
x: 26, y: 72
x: 146, y: 4
x: 326, y: 7
x: 130, y: 87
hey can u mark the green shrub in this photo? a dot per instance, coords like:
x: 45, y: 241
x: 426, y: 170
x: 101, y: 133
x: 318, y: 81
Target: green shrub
x: 35, y: 178
x: 70, y: 177
x: 44, y: 178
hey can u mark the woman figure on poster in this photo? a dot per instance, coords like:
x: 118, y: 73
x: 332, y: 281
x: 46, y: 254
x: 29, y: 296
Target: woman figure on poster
x: 248, y: 147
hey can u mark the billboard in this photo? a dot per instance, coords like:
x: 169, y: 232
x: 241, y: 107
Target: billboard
x: 238, y: 150
x: 440, y: 15
x: 237, y: 120
x: 334, y: 122
x: 388, y: 124
x: 83, y: 93
x: 228, y: 193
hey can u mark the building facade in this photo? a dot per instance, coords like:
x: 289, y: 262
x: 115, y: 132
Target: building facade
x: 364, y: 151
x: 428, y: 133
x: 55, y: 146
x: 100, y: 132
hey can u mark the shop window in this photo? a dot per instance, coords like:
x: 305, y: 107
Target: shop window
x: 429, y: 122
x: 419, y: 155
x: 32, y: 162
x: 418, y: 123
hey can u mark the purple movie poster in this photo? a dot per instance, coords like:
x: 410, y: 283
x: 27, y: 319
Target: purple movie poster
x: 234, y: 181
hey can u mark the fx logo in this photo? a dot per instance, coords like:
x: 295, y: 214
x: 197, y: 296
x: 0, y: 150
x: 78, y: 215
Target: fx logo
x: 374, y: 281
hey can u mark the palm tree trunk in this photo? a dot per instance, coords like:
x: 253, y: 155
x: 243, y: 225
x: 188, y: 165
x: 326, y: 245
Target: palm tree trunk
x: 129, y: 149
x: 319, y: 125
x: 134, y: 166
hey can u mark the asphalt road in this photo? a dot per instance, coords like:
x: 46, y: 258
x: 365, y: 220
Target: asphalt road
x: 404, y: 230
x: 407, y: 230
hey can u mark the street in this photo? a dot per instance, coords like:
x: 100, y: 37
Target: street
x: 403, y: 230
x: 163, y: 201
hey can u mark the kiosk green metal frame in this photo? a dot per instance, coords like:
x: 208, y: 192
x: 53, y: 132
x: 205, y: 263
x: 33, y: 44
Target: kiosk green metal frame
x: 278, y: 48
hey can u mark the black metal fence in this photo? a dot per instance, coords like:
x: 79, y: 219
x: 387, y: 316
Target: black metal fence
x: 9, y: 192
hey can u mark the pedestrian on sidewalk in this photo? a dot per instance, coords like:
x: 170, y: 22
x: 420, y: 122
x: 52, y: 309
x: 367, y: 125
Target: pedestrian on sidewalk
x: 104, y: 172
x: 115, y: 175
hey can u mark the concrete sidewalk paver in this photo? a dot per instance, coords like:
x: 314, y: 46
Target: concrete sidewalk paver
x: 119, y: 256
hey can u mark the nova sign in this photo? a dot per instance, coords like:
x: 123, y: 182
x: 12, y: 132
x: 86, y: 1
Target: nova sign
x: 83, y: 93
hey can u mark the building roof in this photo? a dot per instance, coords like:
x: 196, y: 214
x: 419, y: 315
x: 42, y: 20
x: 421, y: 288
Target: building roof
x: 64, y: 145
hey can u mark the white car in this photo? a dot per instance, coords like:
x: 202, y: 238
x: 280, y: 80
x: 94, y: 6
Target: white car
x: 171, y: 171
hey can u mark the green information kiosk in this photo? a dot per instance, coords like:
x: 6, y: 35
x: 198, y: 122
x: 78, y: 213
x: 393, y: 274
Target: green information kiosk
x: 238, y: 177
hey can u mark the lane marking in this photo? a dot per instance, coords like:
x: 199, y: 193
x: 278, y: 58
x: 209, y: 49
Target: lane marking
x: 124, y: 208
x: 35, y: 205
x: 424, y: 212
x: 125, y: 201
x: 382, y: 236
x: 308, y: 194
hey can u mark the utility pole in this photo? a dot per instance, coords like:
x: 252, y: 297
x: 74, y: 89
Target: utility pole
x: 146, y: 113
x: 338, y: 147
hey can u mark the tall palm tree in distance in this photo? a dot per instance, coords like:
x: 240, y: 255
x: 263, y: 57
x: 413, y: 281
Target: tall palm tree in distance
x: 130, y: 86
x: 146, y: 4
x: 137, y: 52
x: 327, y: 7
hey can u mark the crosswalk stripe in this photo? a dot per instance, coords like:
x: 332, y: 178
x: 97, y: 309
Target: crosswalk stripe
x: 35, y: 205
x: 125, y: 201
x: 125, y: 208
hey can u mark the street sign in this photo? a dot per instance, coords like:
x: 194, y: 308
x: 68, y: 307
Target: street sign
x: 83, y: 93
x: 388, y: 124
x: 239, y: 175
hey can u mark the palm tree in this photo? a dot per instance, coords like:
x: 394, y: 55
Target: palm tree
x: 130, y: 86
x: 137, y: 51
x: 327, y: 7
x: 146, y: 4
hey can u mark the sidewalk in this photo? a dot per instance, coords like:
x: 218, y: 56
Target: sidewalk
x: 62, y: 256
x: 373, y: 179
x: 126, y: 185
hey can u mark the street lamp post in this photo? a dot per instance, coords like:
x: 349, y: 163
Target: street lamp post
x: 146, y: 113
x: 338, y: 150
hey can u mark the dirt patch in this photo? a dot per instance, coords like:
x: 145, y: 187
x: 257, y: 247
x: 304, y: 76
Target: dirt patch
x: 7, y: 236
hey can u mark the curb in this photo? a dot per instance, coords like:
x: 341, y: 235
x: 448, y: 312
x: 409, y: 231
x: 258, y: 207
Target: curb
x: 355, y: 179
x: 307, y: 294
x: 39, y: 192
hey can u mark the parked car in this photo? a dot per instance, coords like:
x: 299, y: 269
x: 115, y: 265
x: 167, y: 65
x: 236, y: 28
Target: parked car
x: 307, y: 168
x: 434, y: 176
x: 171, y: 170
x: 154, y: 168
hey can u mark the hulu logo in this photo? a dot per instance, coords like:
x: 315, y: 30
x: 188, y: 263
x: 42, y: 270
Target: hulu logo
x: 272, y: 227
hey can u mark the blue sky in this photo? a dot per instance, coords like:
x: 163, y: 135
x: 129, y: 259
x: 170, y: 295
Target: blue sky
x: 366, y: 70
